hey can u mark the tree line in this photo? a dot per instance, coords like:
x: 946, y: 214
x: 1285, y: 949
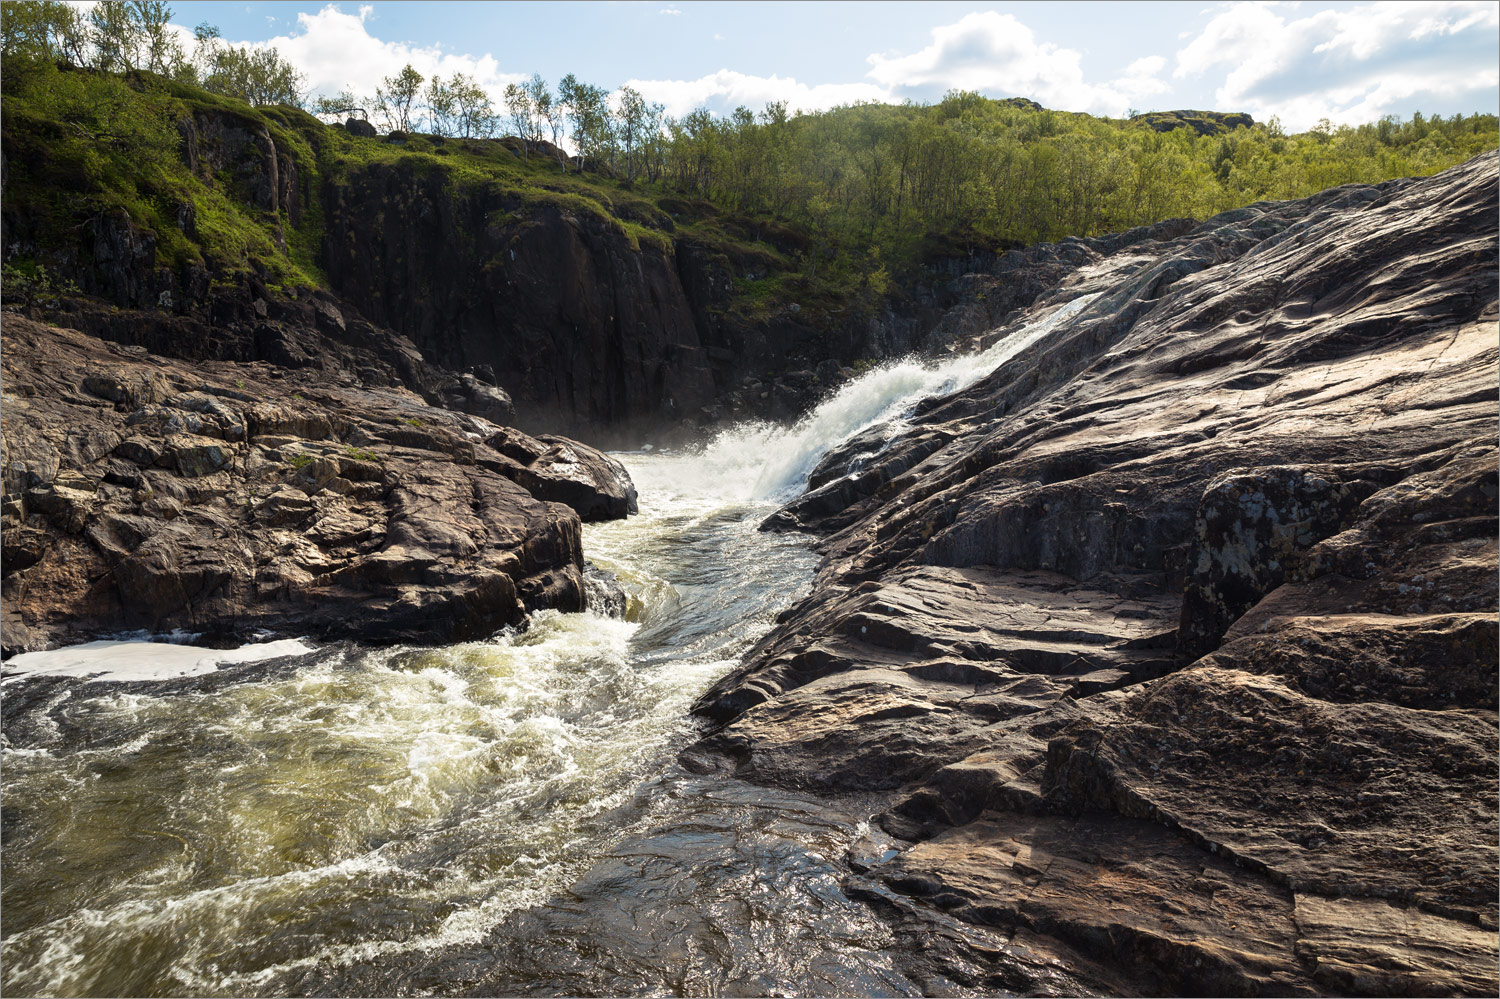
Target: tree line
x: 875, y: 186
x: 614, y: 133
x: 119, y: 36
x: 1006, y: 174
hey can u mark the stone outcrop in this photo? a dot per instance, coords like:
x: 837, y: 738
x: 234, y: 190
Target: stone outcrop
x: 1202, y: 122
x: 594, y: 484
x: 227, y: 498
x: 313, y: 332
x: 1173, y: 641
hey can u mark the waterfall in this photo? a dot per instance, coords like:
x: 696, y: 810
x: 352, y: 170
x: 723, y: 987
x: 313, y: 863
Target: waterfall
x: 766, y: 462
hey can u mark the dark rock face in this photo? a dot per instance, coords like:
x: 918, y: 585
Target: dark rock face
x: 582, y: 326
x: 467, y: 394
x: 1249, y: 530
x: 314, y: 333
x: 226, y: 498
x: 596, y: 331
x: 1174, y: 639
x: 1202, y: 122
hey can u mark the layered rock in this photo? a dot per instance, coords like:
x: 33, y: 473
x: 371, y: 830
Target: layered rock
x: 1174, y: 639
x: 227, y: 498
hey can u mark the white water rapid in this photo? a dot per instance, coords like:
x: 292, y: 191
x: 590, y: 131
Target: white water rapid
x: 339, y: 820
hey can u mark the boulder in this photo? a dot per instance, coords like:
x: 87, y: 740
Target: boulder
x: 468, y: 394
x: 260, y: 502
x: 594, y: 485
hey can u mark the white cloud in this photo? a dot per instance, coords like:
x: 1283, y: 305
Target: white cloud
x: 1146, y: 67
x: 670, y: 11
x: 1349, y: 66
x: 337, y: 51
x: 992, y: 53
x: 718, y: 37
x: 725, y: 90
x: 1141, y: 80
x: 997, y: 55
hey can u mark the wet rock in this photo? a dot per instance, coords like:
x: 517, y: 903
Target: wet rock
x: 603, y: 592
x: 596, y: 486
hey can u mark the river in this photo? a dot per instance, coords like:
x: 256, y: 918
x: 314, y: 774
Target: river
x: 501, y: 816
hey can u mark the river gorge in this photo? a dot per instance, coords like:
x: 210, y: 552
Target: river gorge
x: 1144, y: 643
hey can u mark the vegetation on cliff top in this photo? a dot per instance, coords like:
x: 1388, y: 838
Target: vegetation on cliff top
x: 831, y: 209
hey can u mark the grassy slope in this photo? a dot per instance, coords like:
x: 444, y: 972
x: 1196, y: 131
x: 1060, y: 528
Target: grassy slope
x: 78, y: 143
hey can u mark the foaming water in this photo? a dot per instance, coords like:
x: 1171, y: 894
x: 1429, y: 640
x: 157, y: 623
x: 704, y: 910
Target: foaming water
x: 765, y: 461
x: 128, y: 660
x: 330, y: 819
x: 216, y: 834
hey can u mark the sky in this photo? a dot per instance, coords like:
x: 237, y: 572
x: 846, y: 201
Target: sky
x: 1347, y: 62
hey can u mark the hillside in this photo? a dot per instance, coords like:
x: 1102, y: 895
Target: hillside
x: 748, y: 263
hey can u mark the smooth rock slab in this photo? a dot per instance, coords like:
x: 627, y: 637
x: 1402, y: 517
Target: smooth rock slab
x: 1272, y: 436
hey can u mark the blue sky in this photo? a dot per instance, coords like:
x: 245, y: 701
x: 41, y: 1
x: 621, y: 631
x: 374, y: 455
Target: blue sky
x: 1349, y: 62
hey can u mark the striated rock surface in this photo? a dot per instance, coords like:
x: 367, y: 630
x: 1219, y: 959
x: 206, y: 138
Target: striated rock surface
x: 1173, y: 641
x: 225, y: 499
x: 584, y: 324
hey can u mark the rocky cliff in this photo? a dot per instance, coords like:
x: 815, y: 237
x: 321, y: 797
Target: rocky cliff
x: 227, y: 498
x: 447, y: 267
x: 1173, y: 640
x: 586, y: 323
